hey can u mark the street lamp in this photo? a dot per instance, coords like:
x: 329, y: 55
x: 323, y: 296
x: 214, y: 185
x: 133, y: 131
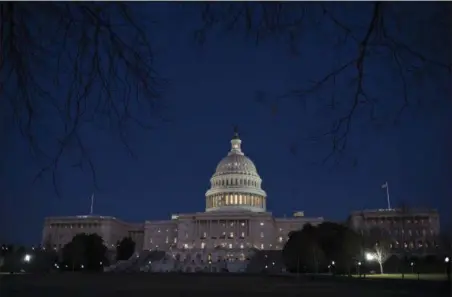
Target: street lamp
x: 27, y: 258
x: 358, y: 266
x: 370, y: 257
x: 446, y: 262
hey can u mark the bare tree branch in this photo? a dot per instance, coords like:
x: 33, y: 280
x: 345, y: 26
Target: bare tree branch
x: 289, y: 21
x: 99, y: 59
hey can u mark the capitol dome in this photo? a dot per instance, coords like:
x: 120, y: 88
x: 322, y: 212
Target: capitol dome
x: 236, y: 185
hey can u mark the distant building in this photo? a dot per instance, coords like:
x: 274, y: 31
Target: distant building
x: 58, y: 231
x: 235, y: 218
x: 415, y: 230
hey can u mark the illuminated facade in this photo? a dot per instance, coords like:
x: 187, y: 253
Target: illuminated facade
x: 235, y: 217
x: 59, y: 231
x: 415, y: 230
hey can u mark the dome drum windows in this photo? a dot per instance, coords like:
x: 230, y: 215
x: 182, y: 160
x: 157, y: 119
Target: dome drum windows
x: 235, y: 199
x: 237, y: 182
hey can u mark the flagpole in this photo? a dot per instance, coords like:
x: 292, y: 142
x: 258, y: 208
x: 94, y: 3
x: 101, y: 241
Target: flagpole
x: 387, y: 195
x: 92, y: 204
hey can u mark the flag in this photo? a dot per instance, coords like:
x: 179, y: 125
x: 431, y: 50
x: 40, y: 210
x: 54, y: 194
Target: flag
x: 385, y: 185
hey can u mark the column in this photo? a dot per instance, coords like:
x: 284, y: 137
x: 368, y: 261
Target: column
x: 209, y: 232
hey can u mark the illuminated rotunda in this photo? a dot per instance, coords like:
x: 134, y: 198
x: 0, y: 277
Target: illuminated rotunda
x: 236, y: 185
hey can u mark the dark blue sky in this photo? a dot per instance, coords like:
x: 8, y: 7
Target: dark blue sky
x: 213, y: 88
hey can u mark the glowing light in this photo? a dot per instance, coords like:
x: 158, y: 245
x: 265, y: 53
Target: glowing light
x: 27, y: 258
x: 370, y: 257
x: 446, y: 259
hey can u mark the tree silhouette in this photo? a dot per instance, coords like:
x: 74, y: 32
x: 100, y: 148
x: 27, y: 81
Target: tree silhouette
x: 125, y: 249
x: 86, y: 252
x: 92, y: 63
x: 316, y: 247
x: 302, y: 252
x: 79, y: 64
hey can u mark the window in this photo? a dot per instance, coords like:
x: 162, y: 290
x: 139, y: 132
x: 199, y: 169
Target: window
x: 230, y: 245
x: 280, y: 239
x: 262, y: 223
x: 262, y: 234
x: 203, y: 245
x: 262, y: 247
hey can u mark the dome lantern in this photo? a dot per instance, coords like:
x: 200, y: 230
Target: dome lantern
x: 236, y: 143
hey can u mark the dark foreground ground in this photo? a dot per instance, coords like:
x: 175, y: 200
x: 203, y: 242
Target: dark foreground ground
x: 215, y: 285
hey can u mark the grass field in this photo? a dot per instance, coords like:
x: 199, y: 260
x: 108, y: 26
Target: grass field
x: 411, y: 276
x: 207, y: 285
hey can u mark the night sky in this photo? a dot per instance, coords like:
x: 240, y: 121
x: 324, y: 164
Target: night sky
x: 212, y: 88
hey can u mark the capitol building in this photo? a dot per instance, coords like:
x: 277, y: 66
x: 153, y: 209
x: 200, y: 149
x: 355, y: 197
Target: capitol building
x: 235, y: 217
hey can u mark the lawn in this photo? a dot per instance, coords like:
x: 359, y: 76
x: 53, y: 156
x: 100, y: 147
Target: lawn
x: 206, y: 285
x: 412, y: 276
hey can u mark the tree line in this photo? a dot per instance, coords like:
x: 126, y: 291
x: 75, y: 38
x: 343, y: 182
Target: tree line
x: 85, y: 252
x: 335, y: 248
x: 328, y: 247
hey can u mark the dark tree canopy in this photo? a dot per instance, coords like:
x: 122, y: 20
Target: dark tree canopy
x: 85, y: 251
x: 302, y: 252
x: 125, y: 249
x: 314, y: 248
x: 339, y: 243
